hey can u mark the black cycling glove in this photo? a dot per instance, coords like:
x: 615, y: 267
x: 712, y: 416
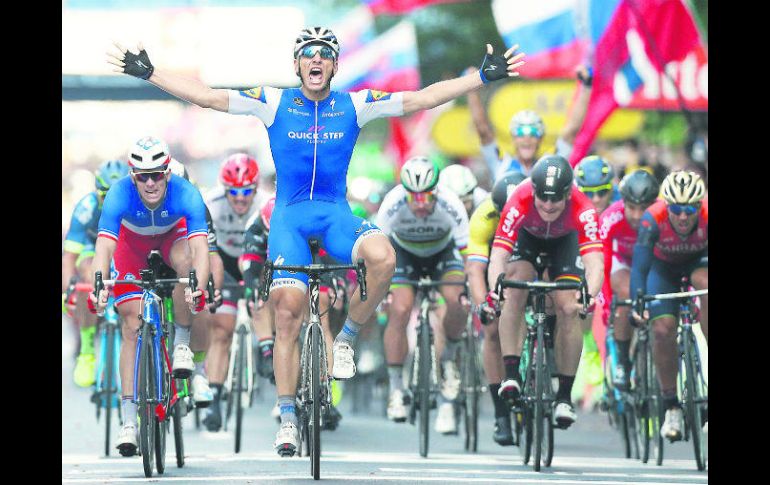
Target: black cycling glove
x: 493, y: 68
x: 138, y: 65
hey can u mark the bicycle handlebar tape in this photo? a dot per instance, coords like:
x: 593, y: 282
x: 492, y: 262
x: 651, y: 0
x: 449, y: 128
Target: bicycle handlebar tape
x: 499, y: 286
x: 361, y: 272
x: 210, y: 290
x: 267, y: 276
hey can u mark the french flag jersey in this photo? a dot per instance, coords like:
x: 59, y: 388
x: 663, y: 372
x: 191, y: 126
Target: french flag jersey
x: 123, y: 208
x: 312, y: 141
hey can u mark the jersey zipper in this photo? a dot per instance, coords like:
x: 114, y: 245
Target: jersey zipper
x: 315, y: 149
x: 547, y: 230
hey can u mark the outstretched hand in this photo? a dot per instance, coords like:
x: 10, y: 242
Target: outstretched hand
x: 495, y: 67
x: 127, y: 62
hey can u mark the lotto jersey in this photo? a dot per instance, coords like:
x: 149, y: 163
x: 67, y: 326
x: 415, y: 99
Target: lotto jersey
x: 520, y: 213
x: 84, y: 224
x: 424, y: 236
x: 312, y: 141
x: 618, y: 236
x: 123, y: 208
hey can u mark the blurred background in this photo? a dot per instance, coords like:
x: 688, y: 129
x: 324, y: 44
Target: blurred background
x: 657, y: 114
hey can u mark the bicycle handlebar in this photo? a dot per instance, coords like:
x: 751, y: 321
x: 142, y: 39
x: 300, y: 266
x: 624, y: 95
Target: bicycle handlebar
x: 423, y: 284
x: 676, y: 296
x: 314, y: 269
x: 545, y: 287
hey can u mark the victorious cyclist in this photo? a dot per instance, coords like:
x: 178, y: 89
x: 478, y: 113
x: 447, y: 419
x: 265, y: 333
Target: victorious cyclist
x: 312, y: 131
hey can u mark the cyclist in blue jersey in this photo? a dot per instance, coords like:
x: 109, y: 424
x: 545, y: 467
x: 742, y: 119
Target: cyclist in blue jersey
x: 77, y: 257
x: 312, y: 131
x: 151, y: 209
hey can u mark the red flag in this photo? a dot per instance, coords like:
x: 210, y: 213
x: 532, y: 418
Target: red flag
x: 641, y: 37
x: 398, y: 7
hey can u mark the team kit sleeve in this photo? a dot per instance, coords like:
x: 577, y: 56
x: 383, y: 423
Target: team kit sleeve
x: 461, y: 229
x: 606, y: 234
x: 261, y: 102
x: 388, y: 210
x: 648, y: 235
x: 212, y: 233
x: 371, y: 104
x: 587, y: 223
x: 76, y: 238
x: 481, y: 231
x: 194, y: 210
x: 115, y: 204
x: 512, y: 217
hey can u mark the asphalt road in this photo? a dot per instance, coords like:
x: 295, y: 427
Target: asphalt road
x: 365, y: 448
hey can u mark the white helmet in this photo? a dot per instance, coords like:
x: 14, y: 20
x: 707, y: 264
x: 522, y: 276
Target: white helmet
x: 459, y: 179
x: 527, y: 118
x: 683, y: 188
x: 419, y: 174
x: 316, y: 35
x: 149, y: 153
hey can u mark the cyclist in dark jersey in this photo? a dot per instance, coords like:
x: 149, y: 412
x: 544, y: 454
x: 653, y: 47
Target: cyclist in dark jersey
x: 312, y: 131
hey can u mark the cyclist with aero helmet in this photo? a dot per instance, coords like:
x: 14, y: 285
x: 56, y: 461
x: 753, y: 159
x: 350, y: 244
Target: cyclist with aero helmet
x: 593, y: 176
x: 483, y: 225
x: 672, y: 243
x: 460, y: 180
x: 429, y: 229
x: 151, y: 209
x: 546, y: 214
x: 312, y: 131
x: 77, y: 256
x: 618, y: 226
x: 231, y: 203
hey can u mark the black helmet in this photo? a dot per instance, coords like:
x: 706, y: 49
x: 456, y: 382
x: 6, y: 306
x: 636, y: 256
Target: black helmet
x: 551, y: 177
x: 504, y: 186
x: 639, y: 187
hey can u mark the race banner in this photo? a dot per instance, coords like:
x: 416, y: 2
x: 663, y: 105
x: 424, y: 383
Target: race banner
x: 400, y: 7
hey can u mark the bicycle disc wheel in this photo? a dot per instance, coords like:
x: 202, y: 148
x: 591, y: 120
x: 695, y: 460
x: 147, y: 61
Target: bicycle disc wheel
x: 693, y: 409
x: 423, y: 386
x: 237, y: 392
x: 315, y: 393
x: 146, y: 412
x: 107, y: 393
x: 537, y: 403
x: 176, y: 417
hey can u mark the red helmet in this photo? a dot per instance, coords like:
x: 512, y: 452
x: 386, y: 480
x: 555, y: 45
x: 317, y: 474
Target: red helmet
x: 267, y: 212
x: 239, y: 170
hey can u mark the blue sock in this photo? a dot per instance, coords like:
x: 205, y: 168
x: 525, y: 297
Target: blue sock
x: 288, y: 411
x: 349, y: 332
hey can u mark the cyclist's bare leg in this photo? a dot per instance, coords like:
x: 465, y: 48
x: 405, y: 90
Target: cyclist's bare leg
x: 218, y: 355
x: 619, y: 281
x: 323, y: 307
x: 399, y: 311
x: 492, y: 354
x: 289, y: 306
x: 455, y: 315
x: 512, y: 326
x: 262, y: 322
x: 439, y: 334
x: 568, y: 342
x: 665, y: 352
x: 700, y: 280
x: 380, y: 259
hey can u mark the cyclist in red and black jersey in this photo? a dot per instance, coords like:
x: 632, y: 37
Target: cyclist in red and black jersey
x: 546, y: 213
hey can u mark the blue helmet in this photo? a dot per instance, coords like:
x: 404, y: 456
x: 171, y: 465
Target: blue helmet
x: 110, y: 172
x: 594, y: 172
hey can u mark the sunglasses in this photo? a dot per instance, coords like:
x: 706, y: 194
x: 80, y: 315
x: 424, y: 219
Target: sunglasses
x: 688, y: 209
x: 555, y: 198
x: 311, y: 50
x: 528, y: 130
x: 145, y: 176
x: 600, y: 191
x: 424, y: 197
x: 245, y: 191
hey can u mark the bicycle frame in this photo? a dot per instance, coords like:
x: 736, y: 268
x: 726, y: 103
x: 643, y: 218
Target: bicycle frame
x: 110, y: 319
x: 242, y: 331
x: 424, y: 326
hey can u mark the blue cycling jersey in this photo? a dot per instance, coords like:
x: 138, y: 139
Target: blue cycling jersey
x: 83, y: 225
x: 312, y: 141
x: 124, y: 208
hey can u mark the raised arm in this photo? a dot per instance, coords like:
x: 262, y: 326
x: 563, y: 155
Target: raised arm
x: 579, y: 107
x: 492, y: 69
x: 188, y: 89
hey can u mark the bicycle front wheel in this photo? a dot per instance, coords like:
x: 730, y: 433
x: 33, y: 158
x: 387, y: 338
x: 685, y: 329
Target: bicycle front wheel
x: 237, y: 391
x: 423, y: 388
x: 106, y: 394
x: 176, y: 416
x: 315, y: 393
x: 692, y: 404
x: 146, y: 409
x: 161, y: 426
x: 537, y: 403
x: 471, y: 385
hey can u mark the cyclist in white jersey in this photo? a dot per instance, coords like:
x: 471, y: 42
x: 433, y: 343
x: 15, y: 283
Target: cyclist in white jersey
x: 312, y: 131
x: 428, y: 226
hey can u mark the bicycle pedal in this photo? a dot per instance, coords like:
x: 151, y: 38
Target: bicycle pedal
x: 128, y: 450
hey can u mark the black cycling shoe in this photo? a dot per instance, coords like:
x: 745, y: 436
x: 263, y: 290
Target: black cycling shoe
x: 502, y: 432
x: 213, y: 418
x: 331, y: 418
x: 265, y: 365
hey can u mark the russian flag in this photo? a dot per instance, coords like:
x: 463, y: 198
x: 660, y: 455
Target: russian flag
x: 355, y: 30
x: 387, y: 63
x: 548, y: 31
x: 398, y: 7
x: 634, y: 40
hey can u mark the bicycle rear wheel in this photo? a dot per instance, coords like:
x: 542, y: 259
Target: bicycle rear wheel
x: 106, y: 394
x: 315, y: 393
x: 471, y: 384
x: 161, y: 426
x: 176, y: 416
x: 237, y: 392
x: 642, y: 401
x: 693, y: 408
x: 423, y: 389
x: 146, y: 411
x: 657, y: 412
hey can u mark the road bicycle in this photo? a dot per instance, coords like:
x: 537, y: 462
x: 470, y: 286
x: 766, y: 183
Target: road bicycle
x: 471, y: 387
x: 691, y: 385
x: 314, y: 391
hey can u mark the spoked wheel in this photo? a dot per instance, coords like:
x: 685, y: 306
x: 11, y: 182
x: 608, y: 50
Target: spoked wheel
x: 471, y: 385
x: 423, y: 389
x: 237, y: 392
x: 106, y: 394
x: 147, y: 394
x: 176, y: 419
x: 694, y: 408
x: 315, y: 393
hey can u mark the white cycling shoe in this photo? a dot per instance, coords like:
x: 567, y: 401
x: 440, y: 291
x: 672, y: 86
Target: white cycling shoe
x: 450, y: 383
x: 183, y: 362
x: 344, y: 365
x: 396, y: 408
x: 287, y: 439
x: 128, y: 440
x: 201, y: 392
x: 564, y: 415
x: 445, y: 421
x: 672, y: 425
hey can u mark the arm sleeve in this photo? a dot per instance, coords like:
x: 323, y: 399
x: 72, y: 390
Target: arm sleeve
x: 587, y: 224
x: 606, y: 234
x: 461, y: 230
x: 481, y: 231
x: 643, y: 253
x: 261, y: 102
x: 112, y: 210
x: 388, y: 209
x: 194, y: 210
x: 511, y: 218
x: 212, y: 234
x: 371, y: 104
x: 76, y: 235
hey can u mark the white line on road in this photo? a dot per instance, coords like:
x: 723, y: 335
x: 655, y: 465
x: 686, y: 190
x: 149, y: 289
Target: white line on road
x: 702, y: 477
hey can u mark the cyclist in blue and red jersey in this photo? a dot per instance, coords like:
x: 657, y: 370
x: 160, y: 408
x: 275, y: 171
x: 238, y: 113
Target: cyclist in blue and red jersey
x: 77, y: 257
x: 545, y: 213
x: 151, y: 209
x: 672, y: 243
x: 312, y: 131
